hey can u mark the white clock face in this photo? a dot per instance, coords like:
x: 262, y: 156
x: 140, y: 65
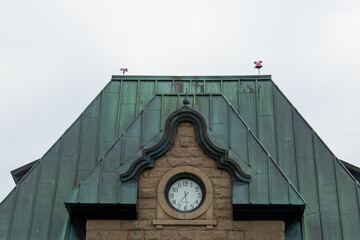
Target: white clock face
x: 185, y: 195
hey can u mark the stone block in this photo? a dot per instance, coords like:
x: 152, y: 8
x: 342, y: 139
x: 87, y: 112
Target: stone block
x: 148, y: 183
x: 168, y: 235
x: 186, y: 131
x: 264, y: 235
x: 160, y: 162
x: 130, y: 225
x: 177, y: 152
x: 208, y: 162
x: 223, y: 204
x: 127, y: 225
x: 116, y: 235
x: 144, y: 203
x: 216, y: 235
x: 238, y: 235
x: 186, y: 142
x: 147, y: 214
x: 153, y: 235
x: 193, y: 152
x: 176, y: 162
x: 147, y: 193
x: 243, y: 225
x: 136, y: 235
x: 269, y: 226
x: 202, y: 235
x: 158, y: 172
x: 145, y: 225
x: 98, y: 235
x: 223, y: 193
x: 185, y: 235
x: 212, y: 172
x: 224, y: 225
x: 221, y: 183
x: 102, y: 225
x: 223, y: 214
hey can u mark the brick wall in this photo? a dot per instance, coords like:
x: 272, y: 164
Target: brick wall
x: 185, y: 152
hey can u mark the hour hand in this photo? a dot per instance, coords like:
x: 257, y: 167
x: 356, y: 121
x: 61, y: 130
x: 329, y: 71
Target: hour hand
x: 184, y: 197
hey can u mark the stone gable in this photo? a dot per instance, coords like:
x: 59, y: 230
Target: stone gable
x: 185, y: 152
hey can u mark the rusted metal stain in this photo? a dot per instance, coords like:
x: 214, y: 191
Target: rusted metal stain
x: 198, y: 87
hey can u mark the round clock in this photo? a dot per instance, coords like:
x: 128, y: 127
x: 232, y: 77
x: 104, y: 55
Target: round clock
x: 185, y: 193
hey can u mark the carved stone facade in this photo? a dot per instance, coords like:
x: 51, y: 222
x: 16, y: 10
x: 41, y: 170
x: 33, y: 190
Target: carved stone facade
x: 185, y: 152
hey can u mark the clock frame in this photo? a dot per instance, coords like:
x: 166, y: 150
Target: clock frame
x: 167, y: 215
x: 196, y: 186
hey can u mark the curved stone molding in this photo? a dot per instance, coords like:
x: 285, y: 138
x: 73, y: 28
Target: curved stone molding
x: 185, y: 114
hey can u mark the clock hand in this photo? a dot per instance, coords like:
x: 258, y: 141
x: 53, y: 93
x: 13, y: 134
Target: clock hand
x: 184, y: 196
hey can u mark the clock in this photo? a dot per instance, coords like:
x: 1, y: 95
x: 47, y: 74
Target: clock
x: 185, y: 193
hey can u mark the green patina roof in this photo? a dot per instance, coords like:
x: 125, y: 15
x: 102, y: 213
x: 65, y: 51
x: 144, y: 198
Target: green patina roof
x: 225, y: 128
x: 35, y: 208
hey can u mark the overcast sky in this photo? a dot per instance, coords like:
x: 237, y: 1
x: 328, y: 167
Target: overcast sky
x: 56, y: 56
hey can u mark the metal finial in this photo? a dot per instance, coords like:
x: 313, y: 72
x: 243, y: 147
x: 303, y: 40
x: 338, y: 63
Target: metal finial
x: 123, y: 70
x: 258, y: 65
x: 186, y: 100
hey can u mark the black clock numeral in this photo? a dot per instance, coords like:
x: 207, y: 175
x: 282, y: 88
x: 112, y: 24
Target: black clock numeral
x: 171, y: 195
x: 197, y: 201
x: 173, y: 202
x: 179, y: 185
x: 197, y: 189
x: 175, y: 189
x: 179, y: 206
x: 199, y: 195
x: 185, y: 208
x: 185, y: 183
x: 192, y: 206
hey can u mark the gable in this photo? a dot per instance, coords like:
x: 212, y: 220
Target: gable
x: 306, y: 161
x: 267, y: 185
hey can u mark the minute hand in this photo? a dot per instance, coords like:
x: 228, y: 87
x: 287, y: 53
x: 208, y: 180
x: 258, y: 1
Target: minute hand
x: 185, y: 194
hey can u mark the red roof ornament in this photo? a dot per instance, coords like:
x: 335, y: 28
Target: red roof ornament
x: 123, y: 70
x: 258, y: 65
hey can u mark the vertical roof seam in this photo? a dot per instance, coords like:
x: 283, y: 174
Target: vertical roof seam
x: 99, y: 126
x: 142, y: 128
x: 14, y: 207
x: 162, y: 115
x: 295, y: 149
x: 121, y: 137
x: 275, y: 128
x: 337, y: 198
x: 55, y: 187
x: 317, y: 182
x: 76, y: 172
x: 357, y: 195
x: 229, y: 124
x: 269, y: 177
x: 137, y: 98
x: 257, y: 108
x: 248, y: 147
x: 118, y: 114
x: 210, y: 112
x: 238, y: 95
x: 100, y: 180
x: 34, y: 202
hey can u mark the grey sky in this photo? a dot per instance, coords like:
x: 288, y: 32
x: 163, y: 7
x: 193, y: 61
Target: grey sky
x: 56, y: 56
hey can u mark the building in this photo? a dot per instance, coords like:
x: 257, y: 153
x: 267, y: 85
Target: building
x: 232, y: 159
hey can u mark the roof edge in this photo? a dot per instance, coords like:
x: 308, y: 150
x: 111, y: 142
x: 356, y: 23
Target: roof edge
x: 20, y: 172
x: 190, y: 77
